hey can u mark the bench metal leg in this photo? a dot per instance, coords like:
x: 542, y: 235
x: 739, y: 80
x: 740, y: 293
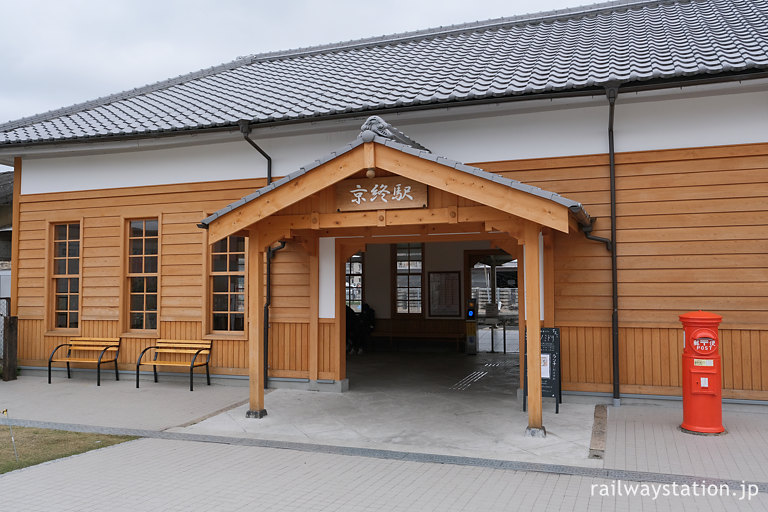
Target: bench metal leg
x: 98, y: 374
x: 49, y: 372
x: 154, y: 369
x: 69, y: 376
x: 117, y: 374
x: 137, y: 376
x: 207, y: 374
x: 190, y: 377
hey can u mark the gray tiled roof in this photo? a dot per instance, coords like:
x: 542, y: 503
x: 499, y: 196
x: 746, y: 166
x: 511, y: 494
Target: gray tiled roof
x: 377, y: 130
x: 560, y: 51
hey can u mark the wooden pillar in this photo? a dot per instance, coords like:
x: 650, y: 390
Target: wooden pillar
x: 533, y: 324
x: 314, y: 307
x: 341, y: 308
x: 549, y: 278
x: 521, y: 309
x: 256, y: 407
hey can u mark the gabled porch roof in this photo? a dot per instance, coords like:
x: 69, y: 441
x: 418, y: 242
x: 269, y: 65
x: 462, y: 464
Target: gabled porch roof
x: 376, y: 131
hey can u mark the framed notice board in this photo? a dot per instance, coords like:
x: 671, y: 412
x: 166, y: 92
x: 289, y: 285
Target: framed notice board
x: 444, y: 294
x: 550, y: 366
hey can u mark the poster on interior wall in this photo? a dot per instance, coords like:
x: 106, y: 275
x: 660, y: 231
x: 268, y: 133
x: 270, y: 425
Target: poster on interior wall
x: 444, y: 294
x: 385, y: 193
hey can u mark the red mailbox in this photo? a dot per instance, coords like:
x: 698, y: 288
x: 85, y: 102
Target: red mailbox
x: 702, y: 375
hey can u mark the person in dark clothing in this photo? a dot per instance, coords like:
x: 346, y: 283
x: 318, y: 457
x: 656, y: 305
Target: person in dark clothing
x: 351, y: 320
x: 366, y: 321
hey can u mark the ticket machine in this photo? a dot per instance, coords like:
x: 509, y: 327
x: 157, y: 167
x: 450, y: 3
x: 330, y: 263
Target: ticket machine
x: 702, y: 374
x: 470, y: 345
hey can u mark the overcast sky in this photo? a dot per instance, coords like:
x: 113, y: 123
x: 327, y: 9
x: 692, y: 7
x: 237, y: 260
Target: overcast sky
x: 54, y: 53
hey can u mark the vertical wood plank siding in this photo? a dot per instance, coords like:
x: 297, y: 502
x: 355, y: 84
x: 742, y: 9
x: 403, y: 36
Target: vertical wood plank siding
x: 692, y: 232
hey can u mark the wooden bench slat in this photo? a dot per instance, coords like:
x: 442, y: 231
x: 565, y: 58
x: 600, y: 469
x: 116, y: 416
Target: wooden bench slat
x: 78, y: 360
x: 200, y: 349
x: 96, y: 347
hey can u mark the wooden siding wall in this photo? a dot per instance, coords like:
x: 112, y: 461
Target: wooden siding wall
x: 692, y: 232
x: 103, y: 214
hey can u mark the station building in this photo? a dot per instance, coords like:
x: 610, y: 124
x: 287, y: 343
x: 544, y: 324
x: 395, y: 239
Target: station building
x: 617, y: 151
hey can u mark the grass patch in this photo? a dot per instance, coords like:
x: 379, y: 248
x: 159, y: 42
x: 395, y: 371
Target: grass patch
x: 36, y: 445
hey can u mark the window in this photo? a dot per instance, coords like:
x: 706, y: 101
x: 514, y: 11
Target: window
x: 408, y: 275
x: 142, y: 274
x: 228, y: 284
x: 66, y: 275
x: 354, y: 282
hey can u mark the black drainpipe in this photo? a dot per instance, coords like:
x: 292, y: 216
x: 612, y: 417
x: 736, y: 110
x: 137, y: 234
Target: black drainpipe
x: 245, y: 129
x: 612, y: 91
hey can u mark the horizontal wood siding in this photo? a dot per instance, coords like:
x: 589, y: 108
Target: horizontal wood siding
x: 692, y: 233
x: 692, y: 228
x: 290, y: 284
x: 102, y: 215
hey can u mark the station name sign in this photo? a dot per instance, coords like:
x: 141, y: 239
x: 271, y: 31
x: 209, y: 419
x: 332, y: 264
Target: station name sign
x: 386, y: 193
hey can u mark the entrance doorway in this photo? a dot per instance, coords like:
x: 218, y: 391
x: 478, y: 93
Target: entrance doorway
x: 416, y: 294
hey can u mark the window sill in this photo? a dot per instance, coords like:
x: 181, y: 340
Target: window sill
x: 225, y: 336
x: 141, y: 334
x: 69, y: 333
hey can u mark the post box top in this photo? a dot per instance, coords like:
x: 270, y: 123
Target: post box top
x: 698, y: 316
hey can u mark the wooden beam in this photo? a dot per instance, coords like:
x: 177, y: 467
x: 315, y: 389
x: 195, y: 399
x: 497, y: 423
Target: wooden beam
x: 486, y: 192
x: 533, y: 322
x: 15, y: 232
x: 290, y: 193
x: 256, y: 407
x: 513, y: 229
x: 416, y: 216
x: 369, y: 155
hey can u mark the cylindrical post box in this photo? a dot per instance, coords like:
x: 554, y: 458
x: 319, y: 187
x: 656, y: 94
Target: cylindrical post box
x: 702, y: 374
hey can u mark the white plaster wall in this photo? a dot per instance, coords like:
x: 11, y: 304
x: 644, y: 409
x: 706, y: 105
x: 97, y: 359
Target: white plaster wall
x: 698, y: 116
x: 327, y: 278
x: 643, y: 121
x: 206, y: 162
x: 670, y: 123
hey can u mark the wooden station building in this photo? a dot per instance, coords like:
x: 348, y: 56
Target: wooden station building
x: 618, y: 151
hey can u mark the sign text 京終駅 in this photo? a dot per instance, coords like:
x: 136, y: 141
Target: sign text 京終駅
x: 385, y: 193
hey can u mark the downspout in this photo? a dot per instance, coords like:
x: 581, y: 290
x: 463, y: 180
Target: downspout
x: 612, y: 91
x: 245, y: 129
x: 267, y: 301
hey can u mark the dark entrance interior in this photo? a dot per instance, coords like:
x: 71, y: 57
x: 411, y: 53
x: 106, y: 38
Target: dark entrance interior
x: 405, y: 318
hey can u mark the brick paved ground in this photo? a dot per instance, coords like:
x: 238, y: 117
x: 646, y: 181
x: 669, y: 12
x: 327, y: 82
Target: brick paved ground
x: 169, y: 475
x: 646, y: 438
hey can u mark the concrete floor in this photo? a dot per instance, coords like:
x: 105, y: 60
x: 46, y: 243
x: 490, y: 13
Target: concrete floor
x: 442, y: 403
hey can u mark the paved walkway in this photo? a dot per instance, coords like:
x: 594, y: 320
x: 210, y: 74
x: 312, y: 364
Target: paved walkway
x: 167, y: 475
x: 415, y: 441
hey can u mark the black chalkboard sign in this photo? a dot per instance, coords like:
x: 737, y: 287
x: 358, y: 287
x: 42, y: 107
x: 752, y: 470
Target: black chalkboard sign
x: 550, y: 366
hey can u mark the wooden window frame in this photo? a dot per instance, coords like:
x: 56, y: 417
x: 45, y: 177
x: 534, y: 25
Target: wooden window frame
x: 128, y: 275
x: 393, y: 266
x: 51, y: 281
x: 209, y: 292
x: 348, y: 273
